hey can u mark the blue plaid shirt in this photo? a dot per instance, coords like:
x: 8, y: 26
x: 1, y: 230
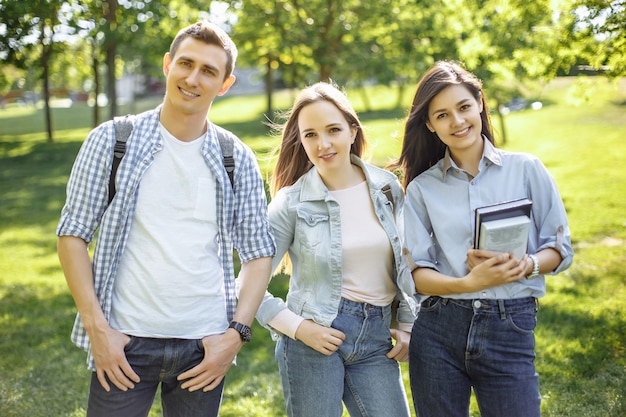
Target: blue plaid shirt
x: 242, y: 211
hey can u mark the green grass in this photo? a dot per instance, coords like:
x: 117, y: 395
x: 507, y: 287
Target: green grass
x: 581, y: 337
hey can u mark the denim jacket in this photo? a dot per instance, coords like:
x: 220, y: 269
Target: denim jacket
x: 306, y: 222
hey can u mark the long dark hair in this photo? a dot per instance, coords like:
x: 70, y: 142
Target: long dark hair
x: 292, y: 159
x: 421, y: 148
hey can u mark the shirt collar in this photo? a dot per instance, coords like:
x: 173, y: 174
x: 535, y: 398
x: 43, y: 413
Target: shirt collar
x: 490, y: 153
x: 313, y: 188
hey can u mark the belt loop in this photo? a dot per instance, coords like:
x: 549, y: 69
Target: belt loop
x: 502, y: 309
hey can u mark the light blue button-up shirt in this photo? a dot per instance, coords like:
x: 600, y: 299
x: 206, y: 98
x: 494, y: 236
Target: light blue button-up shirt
x: 241, y: 213
x: 439, y: 215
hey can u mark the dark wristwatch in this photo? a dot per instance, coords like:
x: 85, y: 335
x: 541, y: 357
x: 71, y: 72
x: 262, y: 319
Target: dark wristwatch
x: 244, y: 331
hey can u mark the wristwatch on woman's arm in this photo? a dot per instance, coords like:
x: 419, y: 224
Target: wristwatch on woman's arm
x: 535, y: 271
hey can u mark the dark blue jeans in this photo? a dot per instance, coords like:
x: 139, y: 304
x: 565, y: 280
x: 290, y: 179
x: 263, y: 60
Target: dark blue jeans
x: 487, y: 345
x: 157, y: 361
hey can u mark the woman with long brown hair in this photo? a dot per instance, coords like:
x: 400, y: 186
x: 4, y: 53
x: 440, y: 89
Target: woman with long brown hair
x: 478, y: 308
x: 335, y: 217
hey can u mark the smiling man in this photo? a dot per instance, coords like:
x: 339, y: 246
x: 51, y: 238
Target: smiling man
x: 157, y: 306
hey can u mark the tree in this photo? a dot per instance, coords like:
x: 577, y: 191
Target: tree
x: 398, y: 42
x: 509, y: 44
x: 506, y: 42
x: 132, y: 35
x: 603, y: 22
x: 33, y: 30
x: 109, y: 9
x: 349, y: 41
x: 262, y: 35
x: 9, y: 77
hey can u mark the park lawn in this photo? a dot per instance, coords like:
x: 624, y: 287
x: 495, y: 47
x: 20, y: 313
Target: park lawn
x: 581, y: 336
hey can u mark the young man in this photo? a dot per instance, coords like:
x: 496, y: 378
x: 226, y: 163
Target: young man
x: 158, y: 305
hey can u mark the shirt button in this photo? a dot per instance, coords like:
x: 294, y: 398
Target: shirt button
x: 477, y: 304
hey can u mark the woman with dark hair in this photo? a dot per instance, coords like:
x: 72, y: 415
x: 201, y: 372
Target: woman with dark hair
x: 335, y: 217
x: 478, y: 308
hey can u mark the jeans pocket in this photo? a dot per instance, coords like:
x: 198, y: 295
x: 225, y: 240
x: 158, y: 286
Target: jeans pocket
x: 128, y: 346
x: 430, y: 304
x: 199, y: 345
x: 523, y: 322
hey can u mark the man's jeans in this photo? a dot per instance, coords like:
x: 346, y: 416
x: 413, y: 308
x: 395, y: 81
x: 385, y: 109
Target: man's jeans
x: 487, y: 345
x: 157, y: 361
x: 359, y: 373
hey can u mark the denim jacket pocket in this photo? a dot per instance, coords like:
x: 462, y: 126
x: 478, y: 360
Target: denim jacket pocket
x: 312, y: 228
x: 312, y: 218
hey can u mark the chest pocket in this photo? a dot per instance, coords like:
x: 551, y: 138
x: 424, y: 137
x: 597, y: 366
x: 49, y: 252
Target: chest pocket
x: 312, y: 228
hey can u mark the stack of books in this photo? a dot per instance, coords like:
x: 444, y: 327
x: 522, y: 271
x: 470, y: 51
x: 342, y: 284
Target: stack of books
x: 503, y: 227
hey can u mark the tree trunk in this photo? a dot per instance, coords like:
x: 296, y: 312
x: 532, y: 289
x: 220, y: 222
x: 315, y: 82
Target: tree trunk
x: 325, y: 72
x: 45, y: 63
x: 110, y: 50
x: 502, y: 122
x: 400, y: 99
x: 269, y: 91
x: 111, y: 91
x: 96, y: 86
x: 365, y: 97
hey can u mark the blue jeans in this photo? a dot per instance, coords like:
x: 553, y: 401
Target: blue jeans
x: 359, y: 373
x: 487, y: 345
x: 157, y: 361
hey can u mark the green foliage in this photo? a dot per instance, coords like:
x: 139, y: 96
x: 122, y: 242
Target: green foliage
x: 348, y: 41
x: 581, y: 337
x: 601, y: 24
x: 389, y: 42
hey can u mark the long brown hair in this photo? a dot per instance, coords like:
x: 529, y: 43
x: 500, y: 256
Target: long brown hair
x: 421, y: 148
x: 292, y: 159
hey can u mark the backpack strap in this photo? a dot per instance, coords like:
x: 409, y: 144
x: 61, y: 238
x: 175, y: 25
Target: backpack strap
x: 226, y: 143
x: 387, y: 190
x: 123, y: 128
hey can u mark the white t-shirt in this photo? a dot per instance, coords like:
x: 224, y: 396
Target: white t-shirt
x: 367, y: 257
x: 170, y: 282
x: 367, y: 253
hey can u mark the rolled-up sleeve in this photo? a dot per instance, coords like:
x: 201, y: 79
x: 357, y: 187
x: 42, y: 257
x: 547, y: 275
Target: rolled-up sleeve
x: 419, y: 243
x: 550, y: 217
x: 252, y: 233
x: 87, y: 187
x: 283, y: 226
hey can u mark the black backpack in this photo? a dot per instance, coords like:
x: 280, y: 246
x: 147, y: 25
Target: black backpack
x: 123, y: 128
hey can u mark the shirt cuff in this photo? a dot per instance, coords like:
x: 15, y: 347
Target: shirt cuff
x: 405, y: 327
x: 286, y: 322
